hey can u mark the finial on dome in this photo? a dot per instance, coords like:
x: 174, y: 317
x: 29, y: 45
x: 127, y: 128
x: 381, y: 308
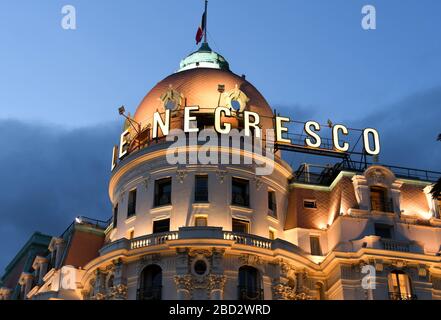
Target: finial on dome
x: 204, y: 57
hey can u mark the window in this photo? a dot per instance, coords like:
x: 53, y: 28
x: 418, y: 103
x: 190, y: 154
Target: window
x: 131, y: 234
x: 272, y: 205
x: 201, y: 189
x: 399, y: 286
x: 250, y: 284
x: 241, y: 226
x: 163, y: 192
x: 131, y: 210
x: 200, y: 267
x: 150, y: 283
x: 115, y: 216
x: 383, y: 230
x: 316, y: 250
x: 240, y: 192
x: 272, y: 234
x: 310, y: 204
x: 200, y: 222
x: 161, y: 226
x: 379, y: 200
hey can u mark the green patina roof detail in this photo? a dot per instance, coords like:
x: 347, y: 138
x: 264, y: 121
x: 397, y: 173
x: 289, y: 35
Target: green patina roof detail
x: 204, y: 58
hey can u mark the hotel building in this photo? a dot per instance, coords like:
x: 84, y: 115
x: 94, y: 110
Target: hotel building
x: 215, y: 231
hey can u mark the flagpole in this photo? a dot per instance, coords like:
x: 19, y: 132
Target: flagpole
x: 206, y: 21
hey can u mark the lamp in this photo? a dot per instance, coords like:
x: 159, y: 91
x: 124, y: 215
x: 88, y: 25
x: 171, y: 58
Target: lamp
x: 121, y: 111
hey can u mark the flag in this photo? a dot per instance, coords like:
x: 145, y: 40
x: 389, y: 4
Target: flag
x: 201, y: 29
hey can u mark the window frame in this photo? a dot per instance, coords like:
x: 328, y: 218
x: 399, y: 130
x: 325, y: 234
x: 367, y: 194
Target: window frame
x: 196, y: 192
x: 318, y: 243
x: 131, y: 203
x: 272, y: 212
x: 200, y: 218
x: 246, y: 194
x: 314, y: 202
x: 159, y: 183
x: 159, y: 221
x: 241, y: 221
x: 115, y: 216
x: 394, y: 278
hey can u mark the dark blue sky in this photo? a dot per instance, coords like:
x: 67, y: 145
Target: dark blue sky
x: 310, y: 59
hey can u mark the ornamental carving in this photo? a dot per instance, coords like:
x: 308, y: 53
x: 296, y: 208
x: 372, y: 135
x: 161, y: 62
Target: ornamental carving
x: 251, y: 260
x: 98, y: 296
x: 235, y: 99
x: 146, y: 182
x: 184, y: 282
x: 118, y: 292
x: 181, y: 174
x: 221, y: 174
x: 216, y: 282
x: 286, y: 270
x: 288, y: 292
x: 172, y: 100
x: 399, y: 264
x: 200, y: 253
x: 148, y: 260
x: 376, y: 175
x: 259, y: 182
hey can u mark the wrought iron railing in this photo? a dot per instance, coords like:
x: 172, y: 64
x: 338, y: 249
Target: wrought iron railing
x: 152, y: 293
x: 394, y: 245
x: 325, y: 175
x: 246, y: 293
x: 402, y: 296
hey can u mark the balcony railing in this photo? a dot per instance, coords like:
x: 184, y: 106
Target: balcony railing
x: 401, y: 296
x: 248, y: 239
x: 153, y: 293
x: 394, y: 245
x: 153, y: 239
x: 245, y: 293
x: 192, y: 233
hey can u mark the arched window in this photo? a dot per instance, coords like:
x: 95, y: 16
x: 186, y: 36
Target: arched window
x: 150, y: 283
x: 250, y: 284
x: 399, y: 286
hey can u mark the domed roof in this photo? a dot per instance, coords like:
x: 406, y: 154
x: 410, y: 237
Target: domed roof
x: 198, y: 86
x: 204, y: 58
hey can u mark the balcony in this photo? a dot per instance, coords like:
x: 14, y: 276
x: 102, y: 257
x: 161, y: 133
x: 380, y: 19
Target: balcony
x: 401, y: 296
x: 195, y: 233
x: 248, y: 239
x: 379, y: 243
x: 153, y: 239
x: 245, y: 293
x: 394, y: 245
x: 152, y: 293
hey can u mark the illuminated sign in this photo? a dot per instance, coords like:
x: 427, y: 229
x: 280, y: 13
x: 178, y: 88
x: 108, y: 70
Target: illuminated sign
x: 251, y: 127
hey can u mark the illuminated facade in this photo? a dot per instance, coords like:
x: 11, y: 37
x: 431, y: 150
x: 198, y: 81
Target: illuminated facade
x: 219, y: 231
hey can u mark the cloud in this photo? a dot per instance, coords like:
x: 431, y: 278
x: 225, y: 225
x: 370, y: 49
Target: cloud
x: 49, y: 176
x: 408, y: 132
x: 409, y: 129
